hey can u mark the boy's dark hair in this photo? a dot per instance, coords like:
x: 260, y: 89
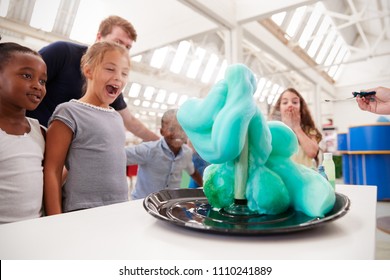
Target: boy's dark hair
x: 168, y: 116
x: 9, y: 48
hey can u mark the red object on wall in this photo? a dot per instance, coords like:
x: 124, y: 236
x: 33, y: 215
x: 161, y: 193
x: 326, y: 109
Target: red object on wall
x: 132, y: 170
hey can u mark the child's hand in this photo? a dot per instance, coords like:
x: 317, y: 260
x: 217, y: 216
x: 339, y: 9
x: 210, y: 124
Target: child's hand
x: 291, y: 117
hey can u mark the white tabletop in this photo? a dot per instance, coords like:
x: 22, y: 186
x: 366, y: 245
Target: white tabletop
x: 127, y: 231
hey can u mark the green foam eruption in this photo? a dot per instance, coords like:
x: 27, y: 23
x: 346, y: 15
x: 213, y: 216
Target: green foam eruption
x: 250, y: 157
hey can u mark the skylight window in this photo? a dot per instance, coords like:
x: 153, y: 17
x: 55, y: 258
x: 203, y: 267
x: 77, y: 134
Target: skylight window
x: 335, y: 49
x: 172, y: 98
x: 155, y: 105
x: 180, y: 56
x: 85, y: 26
x: 210, y: 68
x: 182, y: 99
x: 137, y: 58
x: 158, y: 57
x: 311, y: 24
x: 134, y: 90
x: 278, y: 18
x: 274, y: 89
x: 222, y: 70
x: 40, y: 18
x: 319, y: 36
x: 196, y: 63
x: 265, y: 92
x: 272, y: 94
x: 325, y: 46
x: 270, y: 99
x: 148, y: 94
x: 145, y: 104
x: 4, y: 8
x: 295, y: 21
x: 161, y: 95
x: 276, y: 98
x: 343, y: 54
x: 260, y: 87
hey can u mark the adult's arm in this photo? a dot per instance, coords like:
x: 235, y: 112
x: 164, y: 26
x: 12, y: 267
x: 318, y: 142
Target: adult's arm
x: 136, y: 127
x: 378, y: 104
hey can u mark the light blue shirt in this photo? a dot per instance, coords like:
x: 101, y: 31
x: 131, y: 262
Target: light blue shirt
x: 158, y: 168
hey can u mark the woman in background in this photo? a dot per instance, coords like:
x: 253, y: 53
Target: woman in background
x: 292, y: 109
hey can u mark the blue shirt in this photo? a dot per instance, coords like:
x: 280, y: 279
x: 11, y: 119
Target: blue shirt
x: 158, y: 167
x: 200, y: 165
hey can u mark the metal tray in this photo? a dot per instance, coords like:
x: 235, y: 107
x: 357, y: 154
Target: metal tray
x: 189, y: 208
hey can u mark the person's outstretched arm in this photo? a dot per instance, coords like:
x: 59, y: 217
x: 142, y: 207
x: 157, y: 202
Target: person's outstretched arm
x: 378, y: 103
x: 136, y: 127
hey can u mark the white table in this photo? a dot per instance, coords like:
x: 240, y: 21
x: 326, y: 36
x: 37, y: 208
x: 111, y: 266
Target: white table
x: 127, y: 231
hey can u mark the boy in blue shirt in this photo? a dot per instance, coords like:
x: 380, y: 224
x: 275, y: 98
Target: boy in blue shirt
x: 161, y: 162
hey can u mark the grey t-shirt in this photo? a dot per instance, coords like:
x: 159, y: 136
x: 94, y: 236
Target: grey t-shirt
x: 96, y: 160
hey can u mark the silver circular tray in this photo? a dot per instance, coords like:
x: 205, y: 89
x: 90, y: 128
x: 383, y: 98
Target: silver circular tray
x: 189, y: 208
